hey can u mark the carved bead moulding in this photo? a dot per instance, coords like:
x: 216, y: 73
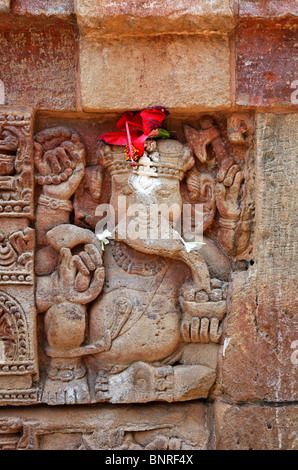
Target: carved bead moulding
x: 142, y: 319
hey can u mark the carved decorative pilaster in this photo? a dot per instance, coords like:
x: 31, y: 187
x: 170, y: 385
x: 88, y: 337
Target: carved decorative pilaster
x: 18, y: 342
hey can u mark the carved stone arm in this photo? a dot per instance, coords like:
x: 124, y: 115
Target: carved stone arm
x: 63, y: 285
x: 60, y: 166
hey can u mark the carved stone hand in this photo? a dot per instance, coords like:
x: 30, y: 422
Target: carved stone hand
x: 79, y: 278
x: 201, y: 330
x: 60, y: 162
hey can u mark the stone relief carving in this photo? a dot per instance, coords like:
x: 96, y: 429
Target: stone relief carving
x: 17, y: 435
x: 125, y: 324
x: 113, y: 429
x: 16, y: 257
x: 16, y: 175
x: 18, y: 345
x: 13, y: 333
x: 137, y: 299
x: 133, y: 437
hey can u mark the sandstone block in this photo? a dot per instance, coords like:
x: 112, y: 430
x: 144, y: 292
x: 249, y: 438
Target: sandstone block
x: 59, y: 8
x: 182, y: 73
x: 259, y: 360
x: 4, y: 5
x: 38, y: 67
x: 154, y: 427
x: 255, y: 427
x: 267, y: 8
x: 266, y: 63
x: 147, y: 17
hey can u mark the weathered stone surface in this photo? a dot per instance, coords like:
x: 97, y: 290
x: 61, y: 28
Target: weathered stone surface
x: 38, y: 67
x: 59, y: 8
x: 266, y: 63
x: 160, y: 427
x: 182, y: 73
x: 259, y: 358
x: 2, y: 93
x: 267, y: 8
x: 4, y: 5
x: 147, y: 17
x: 16, y: 435
x: 255, y: 427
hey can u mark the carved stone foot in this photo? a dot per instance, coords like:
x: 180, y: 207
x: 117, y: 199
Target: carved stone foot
x: 66, y: 385
x: 142, y: 382
x: 102, y: 386
x: 71, y: 393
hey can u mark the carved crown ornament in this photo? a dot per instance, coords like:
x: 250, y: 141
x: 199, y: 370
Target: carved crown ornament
x: 126, y: 319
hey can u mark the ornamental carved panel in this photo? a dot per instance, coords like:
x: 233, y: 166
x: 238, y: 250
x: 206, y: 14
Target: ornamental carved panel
x: 19, y: 369
x: 16, y: 163
x: 90, y: 311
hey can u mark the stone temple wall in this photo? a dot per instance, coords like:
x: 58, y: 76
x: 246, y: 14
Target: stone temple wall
x: 148, y: 345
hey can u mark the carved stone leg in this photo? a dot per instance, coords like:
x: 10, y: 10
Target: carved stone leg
x: 66, y: 381
x: 18, y: 345
x: 102, y: 386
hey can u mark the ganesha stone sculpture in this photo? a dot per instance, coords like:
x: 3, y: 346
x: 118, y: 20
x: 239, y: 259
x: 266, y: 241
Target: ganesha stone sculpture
x: 127, y: 323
